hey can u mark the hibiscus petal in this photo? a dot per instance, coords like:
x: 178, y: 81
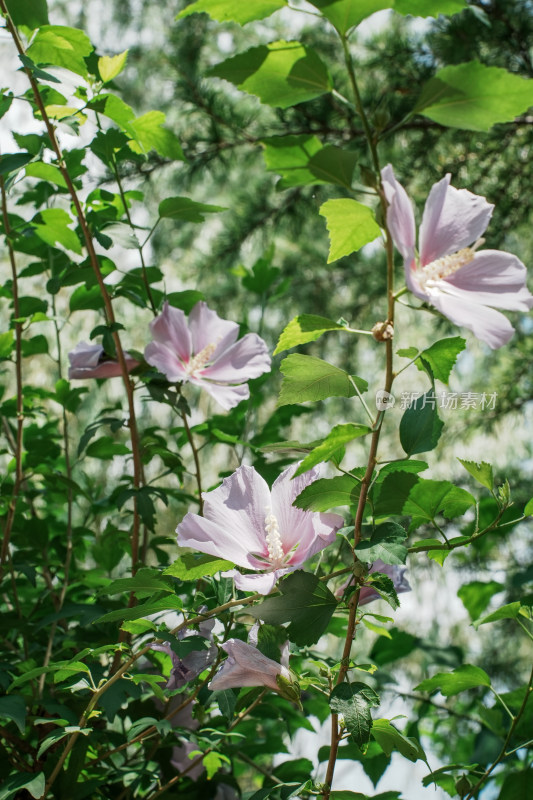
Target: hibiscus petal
x: 85, y: 355
x: 262, y: 582
x: 246, y: 666
x: 86, y: 362
x: 248, y: 358
x: 400, y: 215
x: 308, y: 531
x: 207, y: 328
x: 238, y: 507
x: 494, y: 278
x: 234, y: 543
x: 225, y: 395
x: 170, y: 328
x: 166, y: 361
x: 485, y: 323
x: 452, y: 219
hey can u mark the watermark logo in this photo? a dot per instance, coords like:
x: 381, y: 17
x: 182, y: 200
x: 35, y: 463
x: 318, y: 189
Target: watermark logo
x: 474, y: 401
x: 384, y: 400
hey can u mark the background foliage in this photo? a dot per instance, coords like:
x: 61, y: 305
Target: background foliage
x: 130, y: 179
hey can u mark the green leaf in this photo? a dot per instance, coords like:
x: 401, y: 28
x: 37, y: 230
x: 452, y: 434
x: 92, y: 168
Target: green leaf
x: 402, y: 465
x: 5, y: 105
x: 353, y: 702
x: 302, y: 160
x: 451, y: 683
x: 37, y: 345
x: 305, y: 328
x: 281, y: 73
x: 346, y: 794
x: 476, y: 596
x: 439, y: 359
x: 185, y: 209
x: 508, y: 611
x: 289, y: 156
x: 115, y: 108
x: 233, y: 10
x: 528, y: 509
x: 31, y: 13
x: 149, y: 134
x: 393, y: 492
x: 62, y: 669
x: 14, y: 707
x: 429, y: 8
x: 7, y: 342
x: 429, y: 498
x: 517, y: 785
x: 145, y: 580
x: 481, y: 472
x: 350, y: 224
x: 420, y: 426
x: 111, y: 66
x: 61, y: 46
x: 191, y: 567
x: 336, y: 438
x: 212, y: 763
x: 170, y: 603
x: 52, y: 226
x: 385, y: 544
x: 12, y: 162
x: 306, y: 378
x: 345, y: 14
x: 384, y: 586
x: 46, y: 172
x: 82, y: 299
x: 474, y: 97
x: 106, y: 448
x: 333, y: 165
x: 32, y: 783
x: 389, y: 738
x: 305, y: 602
x: 327, y: 493
x: 400, y: 645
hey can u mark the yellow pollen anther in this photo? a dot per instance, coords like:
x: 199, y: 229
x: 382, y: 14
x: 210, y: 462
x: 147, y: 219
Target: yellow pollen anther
x: 273, y: 539
x: 447, y: 265
x: 200, y: 359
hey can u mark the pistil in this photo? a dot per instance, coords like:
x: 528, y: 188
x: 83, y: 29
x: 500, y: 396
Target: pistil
x: 200, y: 359
x: 447, y: 265
x: 273, y: 539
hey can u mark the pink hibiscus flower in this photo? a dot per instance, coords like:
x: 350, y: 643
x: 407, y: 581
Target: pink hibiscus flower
x: 258, y: 529
x: 205, y: 352
x: 450, y: 272
x: 90, y: 361
x: 247, y: 666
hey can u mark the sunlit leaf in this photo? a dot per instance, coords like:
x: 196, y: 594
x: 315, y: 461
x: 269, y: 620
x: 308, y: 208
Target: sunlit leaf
x: 60, y: 46
x: 111, y: 66
x: 474, y: 97
x: 338, y: 436
x: 451, y: 683
x: 350, y: 224
x: 233, y: 10
x: 306, y: 378
x: 281, y: 73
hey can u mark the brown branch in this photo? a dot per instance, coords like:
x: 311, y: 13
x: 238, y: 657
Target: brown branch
x: 18, y: 376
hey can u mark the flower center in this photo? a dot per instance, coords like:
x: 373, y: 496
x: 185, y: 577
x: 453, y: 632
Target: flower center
x: 200, y: 359
x: 273, y: 539
x: 447, y: 265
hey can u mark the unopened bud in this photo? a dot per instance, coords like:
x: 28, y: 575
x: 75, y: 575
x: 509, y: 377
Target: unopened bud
x: 382, y: 331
